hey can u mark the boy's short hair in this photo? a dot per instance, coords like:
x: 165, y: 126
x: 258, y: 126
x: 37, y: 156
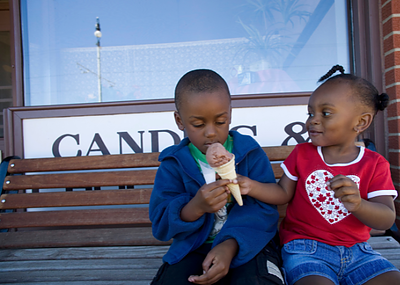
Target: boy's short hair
x: 197, y: 81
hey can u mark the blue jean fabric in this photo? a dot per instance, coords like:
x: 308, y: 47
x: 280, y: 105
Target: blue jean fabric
x: 342, y: 265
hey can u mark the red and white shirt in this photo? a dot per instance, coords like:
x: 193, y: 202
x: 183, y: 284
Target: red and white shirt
x: 314, y: 212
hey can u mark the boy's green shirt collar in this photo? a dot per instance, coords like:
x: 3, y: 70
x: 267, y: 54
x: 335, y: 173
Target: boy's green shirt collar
x: 197, y: 154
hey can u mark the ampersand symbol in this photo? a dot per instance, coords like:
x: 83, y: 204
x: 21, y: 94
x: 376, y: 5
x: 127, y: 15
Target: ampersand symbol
x: 295, y: 135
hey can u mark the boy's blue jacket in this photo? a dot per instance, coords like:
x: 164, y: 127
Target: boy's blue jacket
x: 178, y: 178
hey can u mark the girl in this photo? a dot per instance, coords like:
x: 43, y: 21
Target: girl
x: 337, y: 191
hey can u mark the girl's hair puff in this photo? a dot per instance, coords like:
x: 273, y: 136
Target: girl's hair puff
x: 366, y: 92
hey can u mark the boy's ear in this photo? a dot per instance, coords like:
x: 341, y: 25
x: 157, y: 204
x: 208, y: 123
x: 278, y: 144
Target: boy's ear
x: 364, y: 122
x: 178, y: 121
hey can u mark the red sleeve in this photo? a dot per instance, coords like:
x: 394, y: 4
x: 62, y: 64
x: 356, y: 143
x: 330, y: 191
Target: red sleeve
x: 381, y: 183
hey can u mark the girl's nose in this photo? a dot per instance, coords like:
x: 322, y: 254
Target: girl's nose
x: 313, y: 120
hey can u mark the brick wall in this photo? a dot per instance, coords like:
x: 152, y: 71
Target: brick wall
x: 391, y: 50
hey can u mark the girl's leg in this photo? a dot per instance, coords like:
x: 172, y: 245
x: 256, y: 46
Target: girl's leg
x: 314, y: 280
x: 370, y: 267
x: 387, y: 278
x: 311, y: 262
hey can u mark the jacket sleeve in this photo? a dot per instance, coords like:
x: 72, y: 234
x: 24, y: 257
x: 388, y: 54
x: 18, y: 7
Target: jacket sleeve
x: 168, y: 197
x: 255, y: 223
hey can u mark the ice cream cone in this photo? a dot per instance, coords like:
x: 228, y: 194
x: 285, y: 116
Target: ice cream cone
x: 227, y: 171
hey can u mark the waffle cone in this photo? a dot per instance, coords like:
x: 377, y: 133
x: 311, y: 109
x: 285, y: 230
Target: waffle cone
x: 227, y: 171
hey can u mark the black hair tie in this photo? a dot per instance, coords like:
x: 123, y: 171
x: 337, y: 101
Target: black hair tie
x: 383, y: 100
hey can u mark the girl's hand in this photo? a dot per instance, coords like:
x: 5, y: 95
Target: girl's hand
x: 346, y: 191
x: 245, y: 184
x: 378, y: 212
x: 217, y: 262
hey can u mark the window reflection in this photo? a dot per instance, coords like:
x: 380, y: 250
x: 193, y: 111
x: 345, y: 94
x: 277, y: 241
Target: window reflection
x: 258, y: 46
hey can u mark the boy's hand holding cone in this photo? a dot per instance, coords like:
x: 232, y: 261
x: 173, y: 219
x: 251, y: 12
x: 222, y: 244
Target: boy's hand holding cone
x: 223, y: 163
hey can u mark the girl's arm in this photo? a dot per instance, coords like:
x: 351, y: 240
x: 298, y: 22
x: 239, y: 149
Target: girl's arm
x: 271, y: 193
x: 377, y: 212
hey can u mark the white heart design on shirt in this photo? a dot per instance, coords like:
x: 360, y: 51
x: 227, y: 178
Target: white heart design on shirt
x: 323, y: 199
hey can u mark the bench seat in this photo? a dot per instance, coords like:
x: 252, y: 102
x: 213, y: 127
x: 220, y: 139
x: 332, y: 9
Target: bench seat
x: 106, y: 265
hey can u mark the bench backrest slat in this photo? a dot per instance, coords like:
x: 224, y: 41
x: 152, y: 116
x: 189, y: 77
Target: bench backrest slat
x: 278, y: 153
x: 80, y: 237
x: 277, y: 170
x: 83, y: 163
x: 90, y: 179
x: 131, y: 216
x: 80, y: 180
x: 76, y: 198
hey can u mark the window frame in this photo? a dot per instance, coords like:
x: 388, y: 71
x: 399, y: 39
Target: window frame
x: 365, y: 55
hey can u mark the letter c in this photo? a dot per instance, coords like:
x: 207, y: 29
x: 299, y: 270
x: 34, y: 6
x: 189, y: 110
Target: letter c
x: 56, y: 145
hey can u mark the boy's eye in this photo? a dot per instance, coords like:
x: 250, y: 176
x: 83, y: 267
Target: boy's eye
x: 197, y: 124
x: 326, y: 113
x: 310, y: 115
x: 220, y: 123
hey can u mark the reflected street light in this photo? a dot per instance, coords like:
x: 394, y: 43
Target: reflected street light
x: 97, y: 34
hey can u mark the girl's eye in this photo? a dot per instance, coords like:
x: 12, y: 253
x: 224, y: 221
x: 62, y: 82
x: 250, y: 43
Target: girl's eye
x: 310, y: 115
x: 326, y: 114
x: 220, y: 123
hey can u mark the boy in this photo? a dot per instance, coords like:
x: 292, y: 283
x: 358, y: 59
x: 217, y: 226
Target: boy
x: 213, y: 240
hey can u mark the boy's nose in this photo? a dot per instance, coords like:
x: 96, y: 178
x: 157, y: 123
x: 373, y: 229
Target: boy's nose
x: 210, y: 131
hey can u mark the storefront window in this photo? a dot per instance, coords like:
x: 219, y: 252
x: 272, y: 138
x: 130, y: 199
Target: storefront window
x: 258, y: 46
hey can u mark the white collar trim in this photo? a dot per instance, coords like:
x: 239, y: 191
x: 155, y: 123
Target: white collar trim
x: 358, y: 158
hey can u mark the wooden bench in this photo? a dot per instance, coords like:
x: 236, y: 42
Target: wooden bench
x: 85, y: 220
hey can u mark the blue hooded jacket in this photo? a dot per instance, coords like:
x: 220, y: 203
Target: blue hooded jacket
x: 177, y: 181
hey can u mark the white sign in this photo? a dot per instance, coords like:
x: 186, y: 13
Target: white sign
x: 150, y: 132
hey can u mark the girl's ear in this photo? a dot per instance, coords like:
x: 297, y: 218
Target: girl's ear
x: 178, y: 121
x: 365, y: 120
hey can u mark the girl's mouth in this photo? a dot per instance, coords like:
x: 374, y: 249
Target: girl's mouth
x: 314, y: 133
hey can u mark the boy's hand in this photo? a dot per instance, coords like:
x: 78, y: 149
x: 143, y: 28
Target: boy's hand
x: 217, y: 262
x: 212, y: 197
x: 209, y: 199
x: 346, y: 191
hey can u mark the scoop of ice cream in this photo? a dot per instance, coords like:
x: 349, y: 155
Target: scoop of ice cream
x: 217, y: 155
x: 223, y: 163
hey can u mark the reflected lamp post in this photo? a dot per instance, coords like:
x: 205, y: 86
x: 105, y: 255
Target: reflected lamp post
x: 97, y: 34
